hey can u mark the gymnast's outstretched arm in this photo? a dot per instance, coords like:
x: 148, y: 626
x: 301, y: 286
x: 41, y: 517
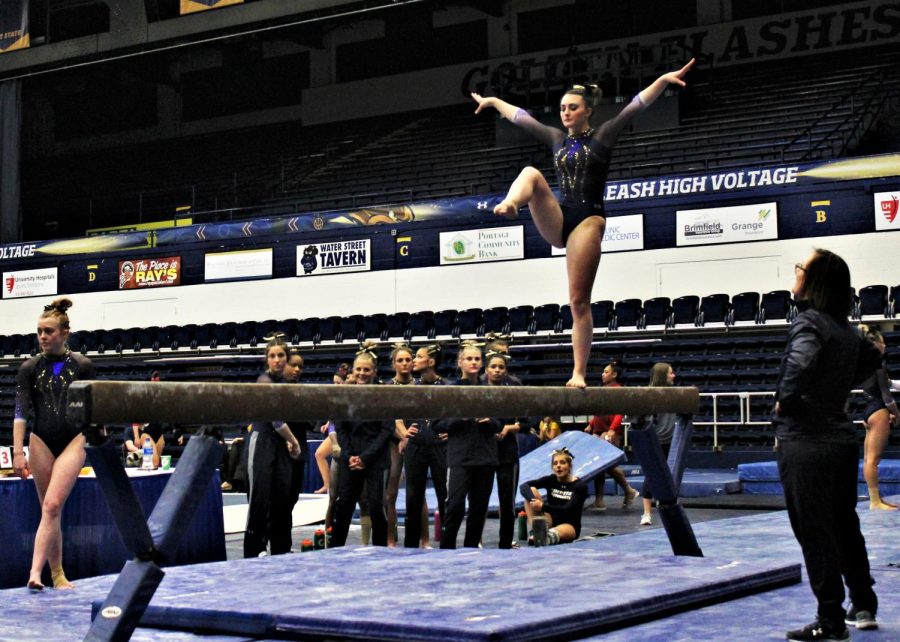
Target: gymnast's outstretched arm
x: 518, y: 116
x: 609, y: 131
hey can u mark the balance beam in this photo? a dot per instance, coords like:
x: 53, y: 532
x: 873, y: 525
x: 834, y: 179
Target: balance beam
x: 98, y: 402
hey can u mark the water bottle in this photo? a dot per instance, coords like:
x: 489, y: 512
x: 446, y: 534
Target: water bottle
x: 319, y: 539
x: 522, y: 523
x: 147, y: 459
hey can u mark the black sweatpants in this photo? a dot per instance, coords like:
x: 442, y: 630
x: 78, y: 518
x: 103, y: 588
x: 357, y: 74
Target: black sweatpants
x: 474, y: 482
x: 269, y: 511
x: 820, y: 492
x: 351, y: 487
x: 507, y: 485
x: 419, y: 460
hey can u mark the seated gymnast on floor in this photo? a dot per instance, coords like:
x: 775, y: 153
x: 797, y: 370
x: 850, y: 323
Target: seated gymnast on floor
x: 565, y: 498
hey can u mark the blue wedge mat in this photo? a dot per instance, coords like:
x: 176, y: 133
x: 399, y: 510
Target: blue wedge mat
x: 466, y: 594
x: 761, y: 478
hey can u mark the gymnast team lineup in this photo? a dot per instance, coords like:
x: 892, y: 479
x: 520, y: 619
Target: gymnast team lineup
x: 464, y: 456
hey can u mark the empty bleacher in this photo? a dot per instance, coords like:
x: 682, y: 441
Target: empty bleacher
x: 734, y: 362
x: 810, y: 108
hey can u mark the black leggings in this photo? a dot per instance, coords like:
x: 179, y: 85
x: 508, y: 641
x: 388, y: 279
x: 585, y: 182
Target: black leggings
x: 507, y: 484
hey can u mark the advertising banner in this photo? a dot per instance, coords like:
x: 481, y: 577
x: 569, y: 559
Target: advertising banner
x: 727, y: 224
x: 14, y: 25
x: 622, y: 233
x: 193, y: 6
x: 22, y: 283
x: 485, y: 244
x: 886, y: 214
x: 238, y: 265
x: 334, y: 258
x: 149, y: 273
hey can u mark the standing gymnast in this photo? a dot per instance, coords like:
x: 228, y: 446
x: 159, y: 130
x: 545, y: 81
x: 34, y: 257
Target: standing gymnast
x: 292, y: 373
x: 272, y: 445
x: 364, y: 462
x: 507, y: 452
x: 56, y: 446
x: 471, y: 461
x: 426, y: 450
x: 402, y: 362
x: 575, y: 222
x: 880, y: 414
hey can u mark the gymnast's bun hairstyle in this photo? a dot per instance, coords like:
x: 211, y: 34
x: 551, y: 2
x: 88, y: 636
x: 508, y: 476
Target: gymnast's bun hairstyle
x: 872, y: 334
x: 492, y: 354
x: 57, y: 310
x: 398, y: 348
x: 436, y: 352
x: 591, y: 93
x: 368, y: 352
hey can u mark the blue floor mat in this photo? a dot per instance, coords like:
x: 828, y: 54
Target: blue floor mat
x: 466, y: 594
x: 761, y: 478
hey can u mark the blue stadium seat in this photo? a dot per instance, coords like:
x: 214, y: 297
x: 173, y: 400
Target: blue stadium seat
x: 145, y: 338
x: 468, y: 322
x: 777, y: 305
x: 352, y: 328
x: 603, y: 314
x: 205, y: 335
x: 745, y: 307
x: 308, y: 330
x: 521, y: 319
x: 375, y: 326
x: 397, y: 326
x: 110, y: 341
x: 628, y: 313
x: 546, y: 317
x: 330, y: 329
x: 267, y: 328
x: 873, y: 301
x: 421, y: 325
x: 658, y: 311
x: 74, y: 342
x: 686, y: 310
x: 167, y: 337
x: 714, y: 309
x: 243, y: 332
x: 443, y: 324
x: 495, y: 320
x: 130, y: 340
x: 564, y: 321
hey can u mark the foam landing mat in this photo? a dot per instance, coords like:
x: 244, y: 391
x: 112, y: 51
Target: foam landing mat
x: 369, y: 593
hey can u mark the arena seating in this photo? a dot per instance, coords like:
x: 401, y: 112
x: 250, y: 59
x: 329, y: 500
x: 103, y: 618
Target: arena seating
x: 734, y: 361
x: 793, y: 115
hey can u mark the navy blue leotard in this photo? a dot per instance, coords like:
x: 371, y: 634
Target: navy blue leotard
x: 42, y: 386
x: 581, y: 161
